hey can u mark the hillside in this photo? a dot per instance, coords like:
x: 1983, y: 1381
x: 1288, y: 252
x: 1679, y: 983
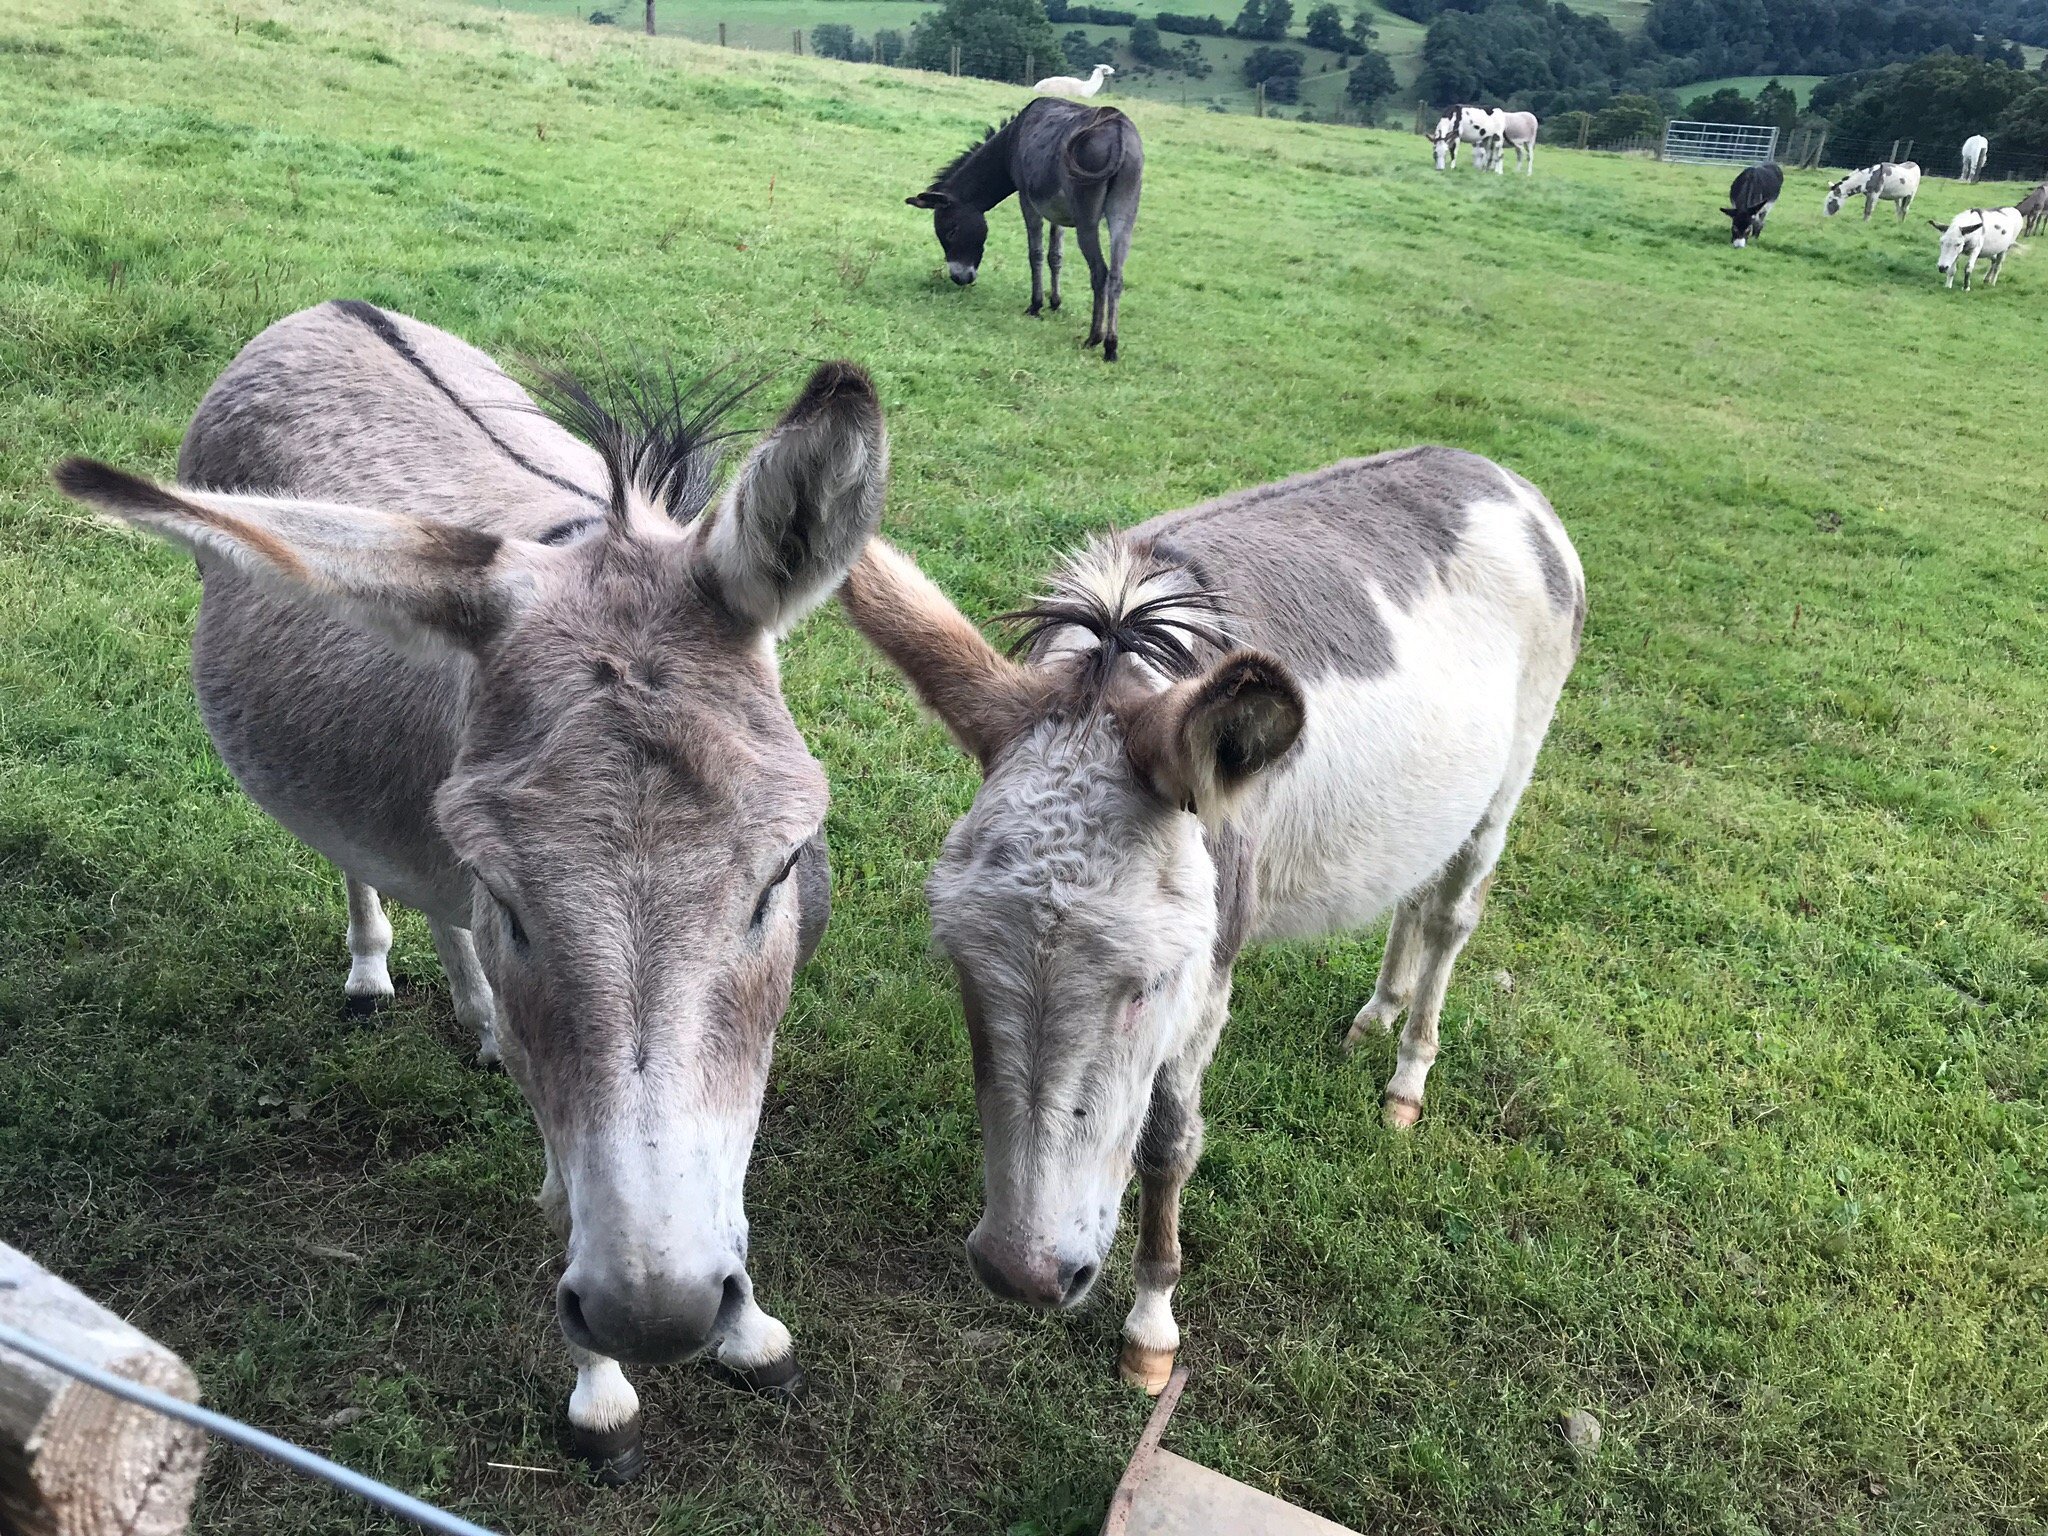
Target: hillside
x: 1745, y: 1155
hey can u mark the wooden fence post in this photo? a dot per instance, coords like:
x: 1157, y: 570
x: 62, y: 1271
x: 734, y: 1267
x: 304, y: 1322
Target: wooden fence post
x: 796, y: 41
x: 650, y: 18
x: 1262, y: 98
x: 956, y: 60
x: 1030, y: 73
x: 1585, y: 124
x: 721, y: 34
x: 74, y: 1461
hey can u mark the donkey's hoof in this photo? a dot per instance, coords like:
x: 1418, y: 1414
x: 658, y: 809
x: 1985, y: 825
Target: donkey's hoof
x: 782, y: 1378
x: 361, y: 1005
x: 1146, y: 1369
x: 616, y: 1456
x: 1398, y: 1112
x: 1033, y: 312
x: 1109, y: 350
x: 1092, y: 341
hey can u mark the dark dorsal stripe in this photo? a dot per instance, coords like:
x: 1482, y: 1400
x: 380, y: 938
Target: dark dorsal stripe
x: 381, y: 325
x: 565, y: 533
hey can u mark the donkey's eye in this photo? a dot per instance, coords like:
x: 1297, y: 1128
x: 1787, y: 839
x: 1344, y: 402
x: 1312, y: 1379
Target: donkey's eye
x: 768, y: 891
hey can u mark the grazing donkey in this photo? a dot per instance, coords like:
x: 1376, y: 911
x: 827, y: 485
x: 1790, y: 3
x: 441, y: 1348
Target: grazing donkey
x: 1897, y: 184
x: 1271, y: 716
x: 1481, y: 127
x: 1072, y: 88
x: 1517, y: 132
x: 1973, y: 233
x: 1976, y: 149
x: 1068, y: 164
x: 529, y: 687
x: 1751, y: 197
x: 2034, y: 208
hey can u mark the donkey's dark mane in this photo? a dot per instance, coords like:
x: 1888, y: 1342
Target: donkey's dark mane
x: 657, y: 430
x: 987, y: 138
x: 1163, y: 632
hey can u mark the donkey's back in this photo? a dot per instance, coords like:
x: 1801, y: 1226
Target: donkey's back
x: 334, y: 729
x: 1430, y: 604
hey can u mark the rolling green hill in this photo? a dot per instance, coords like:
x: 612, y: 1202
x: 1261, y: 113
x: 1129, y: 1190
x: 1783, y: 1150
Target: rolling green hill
x: 1739, y: 1138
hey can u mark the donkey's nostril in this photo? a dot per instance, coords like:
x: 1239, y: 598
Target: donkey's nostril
x: 569, y: 1306
x: 1074, y: 1282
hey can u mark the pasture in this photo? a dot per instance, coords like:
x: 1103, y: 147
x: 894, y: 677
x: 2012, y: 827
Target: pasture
x: 1738, y: 1137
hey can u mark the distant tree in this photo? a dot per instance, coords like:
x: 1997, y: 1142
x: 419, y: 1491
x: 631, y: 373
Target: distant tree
x: 1263, y: 19
x: 1363, y: 33
x: 1325, y: 28
x: 1777, y: 105
x: 1190, y: 61
x: 2023, y: 126
x: 1146, y: 45
x: 995, y: 39
x: 1626, y: 117
x: 1083, y: 53
x: 1371, y: 83
x: 1937, y: 102
x: 1278, y: 69
x: 1727, y: 105
x: 834, y: 40
x: 604, y: 18
x: 888, y: 46
x: 1199, y: 26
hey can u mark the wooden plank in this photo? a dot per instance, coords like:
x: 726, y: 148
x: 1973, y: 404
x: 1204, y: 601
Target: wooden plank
x: 74, y: 1461
x: 1167, y: 1495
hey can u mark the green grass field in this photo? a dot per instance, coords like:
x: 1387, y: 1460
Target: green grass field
x: 1752, y: 1161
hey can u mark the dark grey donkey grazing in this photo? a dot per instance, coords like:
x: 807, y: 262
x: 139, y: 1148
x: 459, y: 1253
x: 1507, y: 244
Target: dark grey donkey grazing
x: 1275, y: 715
x: 1070, y: 164
x: 529, y: 687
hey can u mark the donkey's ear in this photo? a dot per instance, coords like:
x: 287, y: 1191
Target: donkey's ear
x: 804, y: 502
x: 1933, y: 224
x: 982, y: 696
x: 418, y: 581
x: 1201, y: 743
x: 928, y: 200
x: 1729, y: 211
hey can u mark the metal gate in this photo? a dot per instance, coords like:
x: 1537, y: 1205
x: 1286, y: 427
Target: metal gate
x: 1719, y: 143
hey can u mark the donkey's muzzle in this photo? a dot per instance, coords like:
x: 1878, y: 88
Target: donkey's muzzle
x: 641, y: 1319
x: 960, y: 272
x: 1037, y: 1278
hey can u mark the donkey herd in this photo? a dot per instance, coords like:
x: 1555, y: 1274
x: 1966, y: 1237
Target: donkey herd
x: 516, y: 667
x: 1974, y: 233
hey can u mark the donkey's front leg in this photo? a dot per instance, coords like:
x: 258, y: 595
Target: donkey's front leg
x: 475, y: 1004
x: 1034, y: 242
x: 604, y: 1419
x: 753, y: 1348
x: 1168, y: 1149
x: 369, y: 944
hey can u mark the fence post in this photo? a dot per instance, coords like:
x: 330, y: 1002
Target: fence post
x: 1821, y: 148
x: 721, y: 34
x: 1909, y: 149
x: 1262, y: 99
x: 796, y: 41
x: 956, y: 59
x: 650, y: 18
x: 71, y: 1457
x: 1585, y: 125
x: 1421, y: 122
x: 1030, y: 71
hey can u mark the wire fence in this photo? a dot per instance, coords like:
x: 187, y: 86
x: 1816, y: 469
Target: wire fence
x: 300, y: 1460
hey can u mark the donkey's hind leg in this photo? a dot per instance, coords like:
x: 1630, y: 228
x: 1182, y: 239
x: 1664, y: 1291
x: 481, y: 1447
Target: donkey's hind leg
x: 1055, y: 252
x: 475, y: 1004
x: 1121, y: 209
x: 1447, y: 912
x: 1090, y: 238
x: 369, y: 943
x: 1399, y: 965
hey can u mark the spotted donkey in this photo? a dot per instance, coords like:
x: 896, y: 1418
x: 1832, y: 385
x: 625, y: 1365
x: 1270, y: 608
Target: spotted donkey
x: 1274, y: 715
x: 529, y: 687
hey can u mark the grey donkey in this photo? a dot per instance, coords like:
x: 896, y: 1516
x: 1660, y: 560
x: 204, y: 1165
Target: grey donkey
x: 1072, y: 165
x: 1275, y: 715
x: 529, y: 687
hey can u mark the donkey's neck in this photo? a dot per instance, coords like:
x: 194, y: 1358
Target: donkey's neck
x: 983, y: 178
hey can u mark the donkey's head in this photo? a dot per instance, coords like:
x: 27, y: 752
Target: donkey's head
x: 1078, y: 898
x: 1444, y: 138
x: 962, y: 229
x: 1839, y: 193
x: 1956, y: 238
x: 637, y: 815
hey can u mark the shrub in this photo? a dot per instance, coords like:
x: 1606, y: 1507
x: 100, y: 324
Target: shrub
x: 1278, y: 69
x: 1196, y: 26
x: 995, y: 38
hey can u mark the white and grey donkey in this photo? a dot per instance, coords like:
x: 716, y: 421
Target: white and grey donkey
x: 1274, y: 715
x: 529, y: 687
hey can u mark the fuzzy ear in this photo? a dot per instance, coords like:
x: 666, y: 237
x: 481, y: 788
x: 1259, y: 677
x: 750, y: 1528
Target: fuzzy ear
x: 1201, y: 743
x: 803, y: 504
x: 417, y: 580
x: 1729, y: 211
x: 1931, y: 224
x: 933, y: 199
x: 982, y: 696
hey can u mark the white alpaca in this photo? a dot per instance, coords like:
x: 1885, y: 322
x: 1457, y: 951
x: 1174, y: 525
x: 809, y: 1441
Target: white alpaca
x: 1072, y: 89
